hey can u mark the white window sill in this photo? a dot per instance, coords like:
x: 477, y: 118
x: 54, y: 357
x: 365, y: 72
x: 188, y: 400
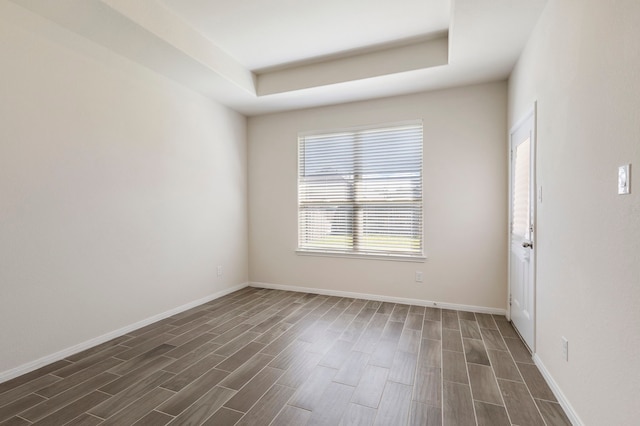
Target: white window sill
x: 377, y: 256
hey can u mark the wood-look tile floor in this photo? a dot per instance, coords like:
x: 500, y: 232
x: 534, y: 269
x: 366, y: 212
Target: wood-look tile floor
x: 270, y: 357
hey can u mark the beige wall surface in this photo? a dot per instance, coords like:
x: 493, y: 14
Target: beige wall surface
x: 120, y: 192
x: 465, y: 191
x: 581, y: 65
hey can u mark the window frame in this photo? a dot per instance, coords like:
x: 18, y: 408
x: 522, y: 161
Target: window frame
x: 403, y: 257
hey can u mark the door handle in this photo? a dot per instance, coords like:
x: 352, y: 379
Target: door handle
x: 527, y: 244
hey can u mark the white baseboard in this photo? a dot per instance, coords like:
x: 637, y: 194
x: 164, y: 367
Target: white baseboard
x: 564, y: 402
x: 34, y: 365
x: 381, y: 298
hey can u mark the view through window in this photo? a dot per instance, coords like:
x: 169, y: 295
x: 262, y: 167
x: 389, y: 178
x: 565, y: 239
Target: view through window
x: 360, y: 191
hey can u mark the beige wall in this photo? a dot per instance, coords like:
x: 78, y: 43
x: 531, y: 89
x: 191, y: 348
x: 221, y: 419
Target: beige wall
x: 581, y: 65
x: 120, y: 192
x: 465, y: 189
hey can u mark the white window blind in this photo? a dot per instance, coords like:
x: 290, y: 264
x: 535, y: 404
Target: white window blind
x: 360, y: 191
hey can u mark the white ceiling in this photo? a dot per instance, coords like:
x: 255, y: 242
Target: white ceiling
x: 261, y: 56
x: 266, y: 33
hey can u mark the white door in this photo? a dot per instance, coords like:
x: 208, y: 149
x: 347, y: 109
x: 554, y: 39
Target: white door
x: 522, y: 215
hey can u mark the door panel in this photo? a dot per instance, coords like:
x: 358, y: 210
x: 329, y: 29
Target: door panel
x: 522, y: 247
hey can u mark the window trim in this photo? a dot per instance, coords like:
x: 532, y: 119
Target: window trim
x: 400, y: 257
x: 372, y: 256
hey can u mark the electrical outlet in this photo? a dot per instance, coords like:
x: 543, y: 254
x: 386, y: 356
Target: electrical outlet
x: 219, y: 270
x: 418, y: 276
x: 565, y: 349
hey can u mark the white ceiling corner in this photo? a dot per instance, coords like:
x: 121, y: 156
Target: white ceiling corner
x: 260, y: 56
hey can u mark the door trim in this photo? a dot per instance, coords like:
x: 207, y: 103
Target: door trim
x: 530, y: 113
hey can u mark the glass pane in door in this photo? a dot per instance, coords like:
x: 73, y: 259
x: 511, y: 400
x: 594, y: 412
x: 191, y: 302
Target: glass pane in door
x: 521, y: 190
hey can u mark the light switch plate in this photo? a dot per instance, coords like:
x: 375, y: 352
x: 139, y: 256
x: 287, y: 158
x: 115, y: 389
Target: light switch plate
x: 624, y: 179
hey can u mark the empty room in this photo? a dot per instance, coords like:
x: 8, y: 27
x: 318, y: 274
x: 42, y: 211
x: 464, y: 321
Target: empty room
x: 348, y: 212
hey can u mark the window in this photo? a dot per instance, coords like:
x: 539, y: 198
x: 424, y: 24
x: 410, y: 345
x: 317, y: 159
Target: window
x: 360, y: 192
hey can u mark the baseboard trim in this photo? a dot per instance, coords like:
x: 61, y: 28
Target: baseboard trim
x: 57, y: 356
x: 381, y: 298
x: 562, y: 400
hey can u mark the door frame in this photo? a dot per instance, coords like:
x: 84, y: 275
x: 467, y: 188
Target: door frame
x: 533, y: 188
